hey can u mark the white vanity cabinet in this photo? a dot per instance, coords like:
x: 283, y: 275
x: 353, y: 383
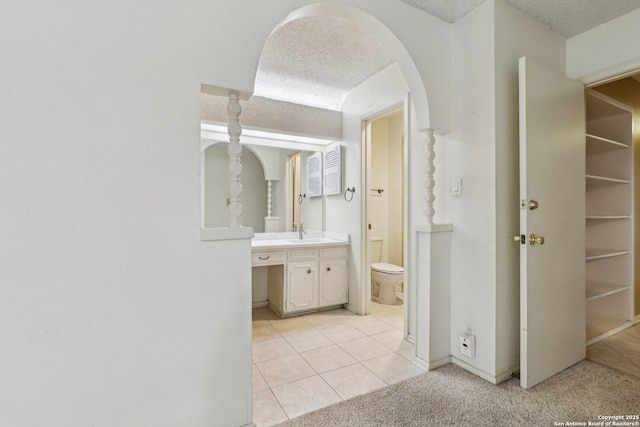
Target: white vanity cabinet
x: 334, y: 276
x: 301, y: 292
x: 304, y: 278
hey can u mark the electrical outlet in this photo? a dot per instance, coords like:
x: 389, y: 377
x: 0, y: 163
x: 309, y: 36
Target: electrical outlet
x: 468, y: 345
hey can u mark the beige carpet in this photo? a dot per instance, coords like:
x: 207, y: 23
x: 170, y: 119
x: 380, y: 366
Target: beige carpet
x: 451, y: 396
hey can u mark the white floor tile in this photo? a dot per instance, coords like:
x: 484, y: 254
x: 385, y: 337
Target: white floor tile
x: 393, y: 368
x: 353, y: 380
x: 259, y: 383
x: 266, y: 409
x: 271, y: 349
x: 328, y: 358
x: 284, y: 370
x: 306, y: 395
x: 342, y: 333
x: 308, y: 341
x: 365, y: 348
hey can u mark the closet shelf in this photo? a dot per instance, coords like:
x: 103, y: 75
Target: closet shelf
x: 595, y: 180
x: 607, y: 217
x: 597, y: 144
x: 596, y: 289
x: 597, y: 253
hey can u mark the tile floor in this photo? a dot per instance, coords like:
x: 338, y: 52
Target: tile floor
x: 620, y: 351
x: 307, y: 362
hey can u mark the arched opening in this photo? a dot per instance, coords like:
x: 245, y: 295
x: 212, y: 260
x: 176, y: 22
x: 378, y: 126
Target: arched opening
x: 393, y: 83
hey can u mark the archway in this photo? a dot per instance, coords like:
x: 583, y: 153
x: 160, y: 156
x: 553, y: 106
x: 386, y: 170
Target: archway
x: 408, y: 90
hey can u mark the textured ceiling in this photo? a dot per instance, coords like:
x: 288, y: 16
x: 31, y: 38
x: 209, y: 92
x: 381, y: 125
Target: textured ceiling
x: 315, y: 61
x: 565, y: 17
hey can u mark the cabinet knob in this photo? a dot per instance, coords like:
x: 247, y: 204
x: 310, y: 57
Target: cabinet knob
x: 328, y: 268
x: 309, y: 271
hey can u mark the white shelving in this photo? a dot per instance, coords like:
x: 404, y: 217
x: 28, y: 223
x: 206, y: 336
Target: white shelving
x: 609, y: 214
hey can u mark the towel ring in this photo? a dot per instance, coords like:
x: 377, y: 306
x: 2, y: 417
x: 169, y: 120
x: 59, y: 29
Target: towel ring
x: 349, y: 190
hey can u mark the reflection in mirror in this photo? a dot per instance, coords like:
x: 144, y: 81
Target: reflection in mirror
x: 274, y: 175
x: 266, y: 171
x: 216, y: 184
x: 294, y: 193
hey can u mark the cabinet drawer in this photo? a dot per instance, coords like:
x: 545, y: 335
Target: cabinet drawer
x: 333, y: 252
x: 303, y: 254
x: 267, y: 258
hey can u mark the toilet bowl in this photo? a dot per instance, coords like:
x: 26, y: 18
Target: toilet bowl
x: 386, y: 277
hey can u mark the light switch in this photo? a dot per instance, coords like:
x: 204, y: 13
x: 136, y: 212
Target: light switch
x: 456, y: 187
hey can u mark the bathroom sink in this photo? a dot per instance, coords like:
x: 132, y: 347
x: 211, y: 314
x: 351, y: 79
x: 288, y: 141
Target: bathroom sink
x: 311, y: 241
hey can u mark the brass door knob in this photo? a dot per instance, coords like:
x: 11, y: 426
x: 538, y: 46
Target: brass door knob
x: 516, y: 238
x: 533, y: 239
x: 328, y: 268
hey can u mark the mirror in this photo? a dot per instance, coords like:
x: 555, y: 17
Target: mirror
x: 278, y: 171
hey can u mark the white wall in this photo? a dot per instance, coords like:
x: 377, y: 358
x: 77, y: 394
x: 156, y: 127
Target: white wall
x: 608, y: 49
x: 387, y: 173
x: 379, y: 203
x: 112, y: 311
x: 395, y: 189
x: 472, y: 158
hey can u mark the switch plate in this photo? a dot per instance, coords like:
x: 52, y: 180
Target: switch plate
x: 468, y: 345
x: 456, y: 187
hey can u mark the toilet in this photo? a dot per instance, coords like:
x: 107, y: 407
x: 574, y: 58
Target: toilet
x: 384, y: 276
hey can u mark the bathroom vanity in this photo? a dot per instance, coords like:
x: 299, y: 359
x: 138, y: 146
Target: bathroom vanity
x: 303, y: 274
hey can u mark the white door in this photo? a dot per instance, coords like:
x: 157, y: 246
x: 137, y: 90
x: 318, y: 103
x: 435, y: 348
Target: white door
x: 552, y: 173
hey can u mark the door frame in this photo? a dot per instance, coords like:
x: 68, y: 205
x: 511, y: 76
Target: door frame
x: 398, y: 104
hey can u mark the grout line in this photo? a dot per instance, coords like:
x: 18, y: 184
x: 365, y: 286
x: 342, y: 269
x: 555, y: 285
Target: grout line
x: 339, y: 322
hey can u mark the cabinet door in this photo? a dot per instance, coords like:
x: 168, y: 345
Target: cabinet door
x: 333, y: 282
x: 302, y: 286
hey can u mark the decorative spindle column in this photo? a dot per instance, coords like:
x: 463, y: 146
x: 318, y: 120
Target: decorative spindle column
x: 429, y: 171
x: 235, y: 167
x: 269, y: 193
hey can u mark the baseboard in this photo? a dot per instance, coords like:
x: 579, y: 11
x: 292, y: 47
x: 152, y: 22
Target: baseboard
x: 411, y: 339
x: 506, y: 375
x: 259, y: 304
x: 351, y: 308
x: 479, y: 372
x: 430, y: 366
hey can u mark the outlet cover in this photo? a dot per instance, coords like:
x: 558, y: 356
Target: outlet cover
x: 468, y: 345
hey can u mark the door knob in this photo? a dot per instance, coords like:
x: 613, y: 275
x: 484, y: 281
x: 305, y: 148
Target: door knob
x: 533, y: 239
x: 533, y: 205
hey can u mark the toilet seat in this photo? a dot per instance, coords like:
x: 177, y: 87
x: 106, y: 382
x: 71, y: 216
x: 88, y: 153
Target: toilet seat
x: 386, y: 268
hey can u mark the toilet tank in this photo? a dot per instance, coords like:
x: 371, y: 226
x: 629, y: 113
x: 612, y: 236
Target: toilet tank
x: 375, y: 250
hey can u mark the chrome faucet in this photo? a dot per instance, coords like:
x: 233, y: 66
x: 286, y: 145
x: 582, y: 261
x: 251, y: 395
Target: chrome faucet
x: 301, y: 232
